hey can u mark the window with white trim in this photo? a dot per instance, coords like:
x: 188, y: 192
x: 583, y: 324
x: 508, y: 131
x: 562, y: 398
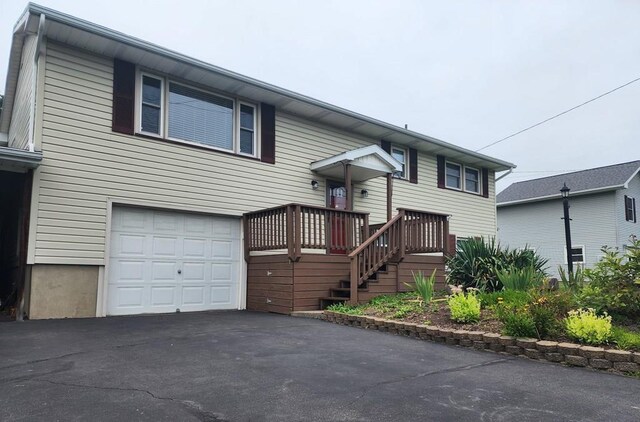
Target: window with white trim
x: 453, y: 175
x: 630, y: 208
x: 577, y: 255
x: 182, y: 113
x: 400, y: 154
x: 471, y: 180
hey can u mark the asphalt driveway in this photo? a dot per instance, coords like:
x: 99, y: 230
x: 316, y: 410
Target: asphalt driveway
x: 243, y: 366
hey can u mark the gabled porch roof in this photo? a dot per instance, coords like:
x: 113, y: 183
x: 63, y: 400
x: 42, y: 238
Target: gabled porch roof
x: 366, y: 163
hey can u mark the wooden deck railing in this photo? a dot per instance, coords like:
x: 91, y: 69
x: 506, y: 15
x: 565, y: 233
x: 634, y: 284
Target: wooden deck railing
x: 294, y: 227
x: 409, y: 232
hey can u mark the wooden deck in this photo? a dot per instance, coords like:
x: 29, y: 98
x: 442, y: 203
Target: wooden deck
x: 353, y: 262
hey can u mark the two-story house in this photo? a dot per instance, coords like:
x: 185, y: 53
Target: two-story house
x: 602, y: 211
x: 137, y: 180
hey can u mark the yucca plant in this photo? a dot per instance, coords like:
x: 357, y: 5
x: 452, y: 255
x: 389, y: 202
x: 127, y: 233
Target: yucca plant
x: 423, y: 286
x: 522, y: 279
x: 572, y: 281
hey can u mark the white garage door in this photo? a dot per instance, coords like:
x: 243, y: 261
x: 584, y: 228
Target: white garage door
x: 161, y: 261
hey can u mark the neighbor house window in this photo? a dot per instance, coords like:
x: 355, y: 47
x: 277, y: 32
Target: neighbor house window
x: 400, y: 154
x: 151, y: 105
x: 577, y: 254
x: 630, y: 208
x: 183, y: 113
x: 454, y: 176
x: 471, y: 180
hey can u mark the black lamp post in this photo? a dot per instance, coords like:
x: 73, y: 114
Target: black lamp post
x: 567, y: 228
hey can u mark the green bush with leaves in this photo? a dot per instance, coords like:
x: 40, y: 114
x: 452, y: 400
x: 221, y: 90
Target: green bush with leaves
x: 345, y: 308
x: 572, y: 281
x: 625, y: 339
x: 517, y: 322
x: 423, y: 286
x: 511, y: 297
x: 614, y: 283
x: 586, y: 326
x: 464, y: 308
x: 476, y: 262
x: 522, y: 279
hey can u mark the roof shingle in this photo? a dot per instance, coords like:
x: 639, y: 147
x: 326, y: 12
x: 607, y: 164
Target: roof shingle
x: 613, y: 177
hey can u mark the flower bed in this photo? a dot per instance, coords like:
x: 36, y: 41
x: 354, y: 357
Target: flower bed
x: 561, y: 352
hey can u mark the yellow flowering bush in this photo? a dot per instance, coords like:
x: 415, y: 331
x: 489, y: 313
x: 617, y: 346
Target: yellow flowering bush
x: 586, y: 326
x: 464, y: 308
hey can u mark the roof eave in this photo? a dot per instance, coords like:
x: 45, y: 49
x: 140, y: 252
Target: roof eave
x: 557, y: 196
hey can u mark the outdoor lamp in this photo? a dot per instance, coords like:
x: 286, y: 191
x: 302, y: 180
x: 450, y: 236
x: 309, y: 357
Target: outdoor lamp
x: 364, y: 193
x: 565, y: 191
x: 314, y: 184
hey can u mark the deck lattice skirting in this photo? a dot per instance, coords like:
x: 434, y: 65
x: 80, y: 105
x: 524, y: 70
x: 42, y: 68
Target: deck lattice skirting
x: 551, y: 351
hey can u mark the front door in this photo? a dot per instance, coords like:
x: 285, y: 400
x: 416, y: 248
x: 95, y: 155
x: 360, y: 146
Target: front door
x: 337, y: 199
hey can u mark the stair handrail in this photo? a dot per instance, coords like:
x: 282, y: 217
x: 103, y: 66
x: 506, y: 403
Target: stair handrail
x: 367, y: 258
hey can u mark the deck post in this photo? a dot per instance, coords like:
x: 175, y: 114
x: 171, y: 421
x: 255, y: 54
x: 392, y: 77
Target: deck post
x: 389, y: 195
x: 445, y: 235
x: 348, y: 187
x: 354, y: 277
x: 403, y: 236
x: 290, y: 237
x: 297, y: 230
x: 247, y: 237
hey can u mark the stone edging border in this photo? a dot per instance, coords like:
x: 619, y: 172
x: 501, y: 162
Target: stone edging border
x: 551, y: 351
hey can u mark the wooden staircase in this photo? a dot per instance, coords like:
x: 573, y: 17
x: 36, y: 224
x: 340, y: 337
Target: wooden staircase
x: 342, y: 294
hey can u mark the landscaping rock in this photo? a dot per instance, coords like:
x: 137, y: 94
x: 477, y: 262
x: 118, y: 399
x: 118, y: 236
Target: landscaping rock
x: 626, y: 366
x: 465, y: 342
x: 475, y: 335
x: 547, y: 346
x: 591, y: 352
x: 568, y: 348
x: 507, y: 340
x: 554, y: 357
x: 432, y: 331
x: 636, y: 357
x: 451, y: 341
x: 600, y: 363
x: 490, y: 338
x: 479, y: 345
x: 421, y: 328
x: 576, y: 360
x: 460, y: 334
x: 445, y: 332
x: 533, y: 353
x: 617, y: 355
x: 496, y: 347
x: 526, y: 343
x: 514, y: 350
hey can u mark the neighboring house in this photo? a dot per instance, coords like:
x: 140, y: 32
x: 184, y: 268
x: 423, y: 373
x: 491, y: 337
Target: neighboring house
x: 142, y: 180
x: 602, y: 211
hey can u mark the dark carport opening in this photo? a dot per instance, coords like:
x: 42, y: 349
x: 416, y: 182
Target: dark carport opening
x: 15, y: 195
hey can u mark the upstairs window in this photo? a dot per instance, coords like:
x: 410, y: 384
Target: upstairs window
x: 471, y: 180
x: 630, y: 208
x: 182, y: 113
x: 400, y: 154
x: 453, y: 176
x: 151, y: 107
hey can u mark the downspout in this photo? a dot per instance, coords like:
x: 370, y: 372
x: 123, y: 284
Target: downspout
x: 34, y: 82
x: 502, y: 176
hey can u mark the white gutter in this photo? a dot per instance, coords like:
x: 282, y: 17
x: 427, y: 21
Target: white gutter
x: 502, y: 176
x: 558, y: 195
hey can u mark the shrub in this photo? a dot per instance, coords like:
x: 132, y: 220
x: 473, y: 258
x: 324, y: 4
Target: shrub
x: 423, y: 286
x: 625, y: 339
x: 464, y: 308
x: 572, y: 281
x: 517, y: 322
x: 587, y: 327
x: 508, y: 297
x: 344, y: 308
x: 614, y: 283
x: 477, y: 260
x: 514, y: 278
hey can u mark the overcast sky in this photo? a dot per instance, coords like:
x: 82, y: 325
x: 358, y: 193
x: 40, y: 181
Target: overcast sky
x: 466, y: 72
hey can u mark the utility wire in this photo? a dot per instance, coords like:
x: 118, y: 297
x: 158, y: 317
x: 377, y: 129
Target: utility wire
x: 557, y: 115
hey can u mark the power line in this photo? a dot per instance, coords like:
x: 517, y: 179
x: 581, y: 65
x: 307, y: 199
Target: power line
x: 558, y: 115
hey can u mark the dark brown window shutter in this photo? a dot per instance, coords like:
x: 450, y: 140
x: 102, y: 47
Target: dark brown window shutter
x: 441, y: 171
x: 386, y: 146
x: 267, y: 133
x: 485, y: 183
x: 413, y: 165
x: 124, y: 96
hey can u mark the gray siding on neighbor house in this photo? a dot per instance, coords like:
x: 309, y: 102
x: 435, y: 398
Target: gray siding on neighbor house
x: 18, y: 136
x: 625, y: 229
x: 540, y: 226
x: 85, y: 164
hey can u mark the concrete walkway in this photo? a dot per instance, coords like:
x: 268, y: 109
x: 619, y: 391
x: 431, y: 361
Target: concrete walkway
x: 242, y: 366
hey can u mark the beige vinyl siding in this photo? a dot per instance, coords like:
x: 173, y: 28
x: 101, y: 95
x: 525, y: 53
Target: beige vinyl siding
x: 86, y: 164
x: 21, y: 115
